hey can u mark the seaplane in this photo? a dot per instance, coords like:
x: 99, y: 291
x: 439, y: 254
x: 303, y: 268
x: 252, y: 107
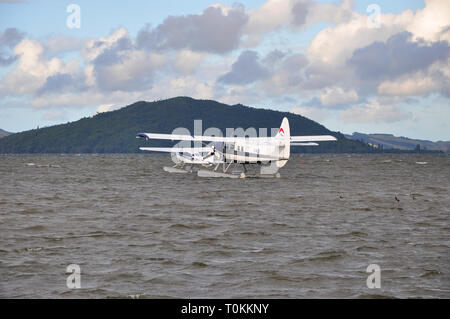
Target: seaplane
x: 266, y: 153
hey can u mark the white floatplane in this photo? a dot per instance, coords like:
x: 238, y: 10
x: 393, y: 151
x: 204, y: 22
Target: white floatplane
x: 269, y: 153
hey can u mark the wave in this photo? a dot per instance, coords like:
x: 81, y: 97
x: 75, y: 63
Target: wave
x: 430, y: 273
x: 353, y: 234
x: 35, y: 227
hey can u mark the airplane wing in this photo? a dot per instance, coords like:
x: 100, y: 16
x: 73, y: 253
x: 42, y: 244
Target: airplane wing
x: 179, y: 137
x: 226, y: 139
x: 313, y: 138
x: 190, y: 150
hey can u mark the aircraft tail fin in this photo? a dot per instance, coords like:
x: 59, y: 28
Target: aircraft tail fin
x: 284, y: 130
x: 285, y: 148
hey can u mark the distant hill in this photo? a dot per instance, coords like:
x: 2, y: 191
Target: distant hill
x: 389, y: 141
x: 114, y: 132
x: 3, y: 133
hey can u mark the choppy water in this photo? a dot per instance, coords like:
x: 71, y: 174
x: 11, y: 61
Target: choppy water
x: 137, y: 230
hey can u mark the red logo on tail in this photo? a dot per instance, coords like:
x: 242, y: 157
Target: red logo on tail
x: 281, y: 131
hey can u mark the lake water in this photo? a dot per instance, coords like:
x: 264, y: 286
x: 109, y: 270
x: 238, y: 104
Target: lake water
x: 135, y: 230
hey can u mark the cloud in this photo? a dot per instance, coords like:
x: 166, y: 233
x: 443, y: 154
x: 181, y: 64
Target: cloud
x: 397, y: 56
x: 332, y: 96
x: 432, y: 22
x: 408, y: 86
x: 126, y: 70
x: 213, y: 31
x: 61, y: 43
x: 186, y: 61
x: 286, y: 73
x: 105, y: 108
x: 330, y: 12
x: 313, y: 113
x: 275, y: 74
x: 300, y: 12
x: 273, y: 57
x: 33, y: 69
x: 247, y: 69
x: 54, y: 115
x: 374, y: 112
x: 436, y: 78
x: 270, y: 16
x: 57, y: 82
x: 297, y: 15
x: 350, y: 54
x: 10, y: 37
x: 115, y: 40
x: 186, y: 86
x: 336, y: 44
x: 117, y: 64
x: 333, y: 46
x: 234, y: 94
x: 90, y: 97
x: 8, y: 40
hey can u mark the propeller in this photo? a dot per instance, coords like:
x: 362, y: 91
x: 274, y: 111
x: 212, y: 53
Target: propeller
x: 211, y: 153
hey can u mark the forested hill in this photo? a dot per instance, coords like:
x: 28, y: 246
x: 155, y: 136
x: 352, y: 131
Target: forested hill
x: 115, y: 132
x: 3, y: 133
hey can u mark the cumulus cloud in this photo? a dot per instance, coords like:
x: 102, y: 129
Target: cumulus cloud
x: 286, y: 75
x: 332, y: 47
x: 276, y: 73
x: 330, y: 12
x: 60, y: 43
x: 273, y: 57
x: 8, y: 40
x: 374, y: 112
x: 336, y: 44
x: 105, y: 108
x: 186, y: 61
x: 54, y: 115
x: 396, y: 60
x: 436, y: 78
x: 234, y: 94
x: 247, y: 69
x: 182, y: 86
x: 127, y: 70
x: 397, y: 56
x: 432, y: 22
x: 117, y: 64
x: 215, y: 31
x: 274, y: 15
x: 300, y: 12
x: 57, y: 82
x: 117, y: 39
x: 313, y: 113
x: 33, y: 69
x: 269, y: 17
x: 90, y: 97
x: 332, y: 96
x: 408, y: 86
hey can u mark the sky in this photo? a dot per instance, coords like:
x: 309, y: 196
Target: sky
x: 353, y: 66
